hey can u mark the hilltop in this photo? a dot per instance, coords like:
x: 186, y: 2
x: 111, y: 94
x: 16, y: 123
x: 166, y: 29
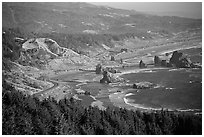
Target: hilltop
x: 88, y: 19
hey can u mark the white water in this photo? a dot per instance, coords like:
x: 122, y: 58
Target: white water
x: 148, y: 70
x: 139, y: 106
x: 129, y: 94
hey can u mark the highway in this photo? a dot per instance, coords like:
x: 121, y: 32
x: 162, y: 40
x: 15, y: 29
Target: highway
x: 56, y: 84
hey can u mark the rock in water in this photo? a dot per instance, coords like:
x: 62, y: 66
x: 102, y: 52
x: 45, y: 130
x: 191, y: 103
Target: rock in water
x: 143, y: 85
x: 110, y: 78
x: 157, y: 61
x: 185, y: 63
x: 180, y: 61
x: 106, y: 77
x: 175, y: 58
x: 98, y: 69
x: 123, y: 50
x: 142, y: 64
x: 112, y: 70
x: 163, y: 63
x: 112, y: 58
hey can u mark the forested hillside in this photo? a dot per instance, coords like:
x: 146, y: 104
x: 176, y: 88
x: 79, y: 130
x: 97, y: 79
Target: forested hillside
x: 23, y: 115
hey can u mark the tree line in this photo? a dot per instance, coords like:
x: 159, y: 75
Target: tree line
x: 25, y: 115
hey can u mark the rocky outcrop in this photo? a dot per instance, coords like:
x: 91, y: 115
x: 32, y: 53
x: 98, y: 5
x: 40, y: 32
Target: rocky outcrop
x: 142, y: 64
x: 112, y: 70
x: 106, y: 77
x: 164, y: 63
x: 177, y: 59
x: 157, y: 61
x: 143, y: 85
x: 123, y: 50
x: 180, y: 61
x: 112, y: 58
x: 110, y: 78
x: 98, y: 69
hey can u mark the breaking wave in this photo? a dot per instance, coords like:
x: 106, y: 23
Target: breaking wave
x: 139, y: 106
x: 177, y: 69
x: 129, y: 94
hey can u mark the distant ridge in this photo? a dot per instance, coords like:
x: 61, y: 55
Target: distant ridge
x: 80, y: 17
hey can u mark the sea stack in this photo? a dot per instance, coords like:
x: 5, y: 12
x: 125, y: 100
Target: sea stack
x: 106, y: 77
x: 180, y: 61
x: 98, y: 69
x: 157, y: 61
x: 142, y: 64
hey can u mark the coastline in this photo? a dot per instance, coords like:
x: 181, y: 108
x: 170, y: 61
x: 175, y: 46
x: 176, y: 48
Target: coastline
x: 138, y: 70
x: 120, y: 99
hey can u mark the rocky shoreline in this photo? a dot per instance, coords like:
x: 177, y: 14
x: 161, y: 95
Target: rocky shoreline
x: 113, y: 77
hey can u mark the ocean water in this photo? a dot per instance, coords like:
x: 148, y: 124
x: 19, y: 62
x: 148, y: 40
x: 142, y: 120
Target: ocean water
x: 177, y: 89
x: 195, y: 54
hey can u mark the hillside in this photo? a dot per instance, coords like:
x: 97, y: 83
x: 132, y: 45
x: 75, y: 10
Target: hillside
x: 56, y: 38
x: 88, y: 19
x: 39, y: 53
x: 64, y: 68
x: 86, y: 28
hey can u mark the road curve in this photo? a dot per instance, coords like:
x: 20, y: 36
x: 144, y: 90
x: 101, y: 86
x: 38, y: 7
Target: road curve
x: 56, y: 84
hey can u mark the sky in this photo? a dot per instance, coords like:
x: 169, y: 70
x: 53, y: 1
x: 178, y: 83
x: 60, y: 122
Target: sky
x: 182, y: 9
